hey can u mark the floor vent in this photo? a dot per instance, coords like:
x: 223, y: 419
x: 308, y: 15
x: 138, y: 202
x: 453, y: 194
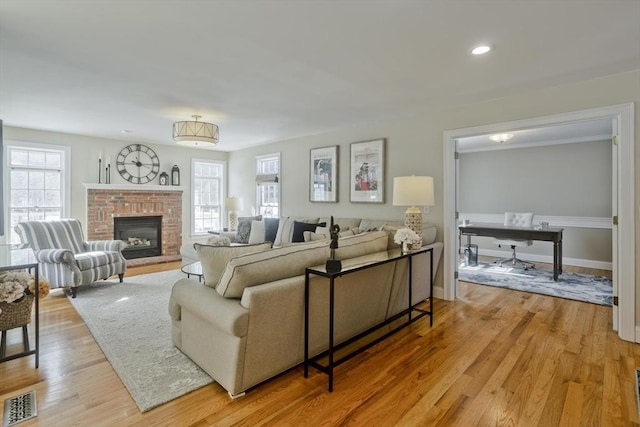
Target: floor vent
x: 19, y: 408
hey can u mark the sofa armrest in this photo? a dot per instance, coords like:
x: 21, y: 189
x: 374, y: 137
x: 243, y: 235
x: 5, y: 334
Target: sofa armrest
x: 225, y: 314
x: 105, y: 245
x: 55, y: 256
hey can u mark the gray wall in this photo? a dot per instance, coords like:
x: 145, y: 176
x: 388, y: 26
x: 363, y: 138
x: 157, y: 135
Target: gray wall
x: 570, y: 180
x: 415, y: 146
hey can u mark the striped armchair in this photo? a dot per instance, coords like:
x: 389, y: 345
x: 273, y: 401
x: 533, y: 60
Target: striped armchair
x: 65, y: 259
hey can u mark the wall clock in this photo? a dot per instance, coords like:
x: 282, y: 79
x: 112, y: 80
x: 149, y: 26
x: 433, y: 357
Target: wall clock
x: 138, y: 163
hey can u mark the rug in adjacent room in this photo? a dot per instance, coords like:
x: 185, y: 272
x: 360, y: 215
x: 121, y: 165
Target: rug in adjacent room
x: 580, y: 287
x: 131, y: 324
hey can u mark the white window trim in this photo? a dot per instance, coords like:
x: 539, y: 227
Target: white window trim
x: 66, y: 167
x: 222, y: 192
x: 256, y: 196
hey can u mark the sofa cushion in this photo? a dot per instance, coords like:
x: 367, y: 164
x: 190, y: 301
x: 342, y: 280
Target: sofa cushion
x: 244, y: 227
x: 278, y: 263
x: 361, y: 244
x: 91, y: 260
x: 311, y: 236
x: 215, y: 258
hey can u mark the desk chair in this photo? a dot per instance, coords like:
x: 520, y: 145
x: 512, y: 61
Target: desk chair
x: 514, y: 219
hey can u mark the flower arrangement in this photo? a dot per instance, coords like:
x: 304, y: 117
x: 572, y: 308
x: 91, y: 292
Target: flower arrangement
x: 406, y: 236
x: 16, y: 284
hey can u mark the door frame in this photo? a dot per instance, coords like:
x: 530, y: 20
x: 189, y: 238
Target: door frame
x: 625, y: 265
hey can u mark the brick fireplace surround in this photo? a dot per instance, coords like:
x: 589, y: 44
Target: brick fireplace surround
x: 106, y: 201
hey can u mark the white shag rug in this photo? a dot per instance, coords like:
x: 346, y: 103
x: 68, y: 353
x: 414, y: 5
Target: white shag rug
x: 131, y: 324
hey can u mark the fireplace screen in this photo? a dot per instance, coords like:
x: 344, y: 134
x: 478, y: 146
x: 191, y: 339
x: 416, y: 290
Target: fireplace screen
x: 142, y: 234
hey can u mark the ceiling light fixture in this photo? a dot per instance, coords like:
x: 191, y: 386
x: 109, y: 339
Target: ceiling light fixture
x: 481, y: 50
x: 195, y: 133
x: 501, y: 137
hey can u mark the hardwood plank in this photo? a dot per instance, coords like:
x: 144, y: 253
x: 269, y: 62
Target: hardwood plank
x: 493, y: 357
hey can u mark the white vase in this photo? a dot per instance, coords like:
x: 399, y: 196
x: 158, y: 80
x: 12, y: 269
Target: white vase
x: 405, y: 247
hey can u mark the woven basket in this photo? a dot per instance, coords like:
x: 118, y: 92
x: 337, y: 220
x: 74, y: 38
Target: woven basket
x: 16, y: 314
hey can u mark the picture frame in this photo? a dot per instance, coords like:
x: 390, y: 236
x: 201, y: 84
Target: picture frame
x: 367, y: 171
x: 323, y: 174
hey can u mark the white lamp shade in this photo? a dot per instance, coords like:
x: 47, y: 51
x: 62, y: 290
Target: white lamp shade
x: 233, y: 203
x: 413, y: 191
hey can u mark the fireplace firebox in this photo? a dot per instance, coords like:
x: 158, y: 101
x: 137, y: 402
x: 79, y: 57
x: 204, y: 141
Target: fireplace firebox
x: 142, y: 234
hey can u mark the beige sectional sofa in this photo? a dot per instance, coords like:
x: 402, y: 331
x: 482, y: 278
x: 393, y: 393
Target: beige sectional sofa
x: 245, y: 324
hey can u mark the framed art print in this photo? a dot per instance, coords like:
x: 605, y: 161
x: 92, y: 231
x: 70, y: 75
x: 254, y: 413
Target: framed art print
x: 323, y: 174
x: 367, y: 172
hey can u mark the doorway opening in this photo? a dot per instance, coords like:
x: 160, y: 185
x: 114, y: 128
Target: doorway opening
x: 623, y: 210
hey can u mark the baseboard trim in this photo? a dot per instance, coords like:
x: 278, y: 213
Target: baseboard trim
x: 576, y: 262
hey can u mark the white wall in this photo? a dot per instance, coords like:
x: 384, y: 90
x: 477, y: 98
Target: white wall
x: 415, y: 146
x: 84, y: 163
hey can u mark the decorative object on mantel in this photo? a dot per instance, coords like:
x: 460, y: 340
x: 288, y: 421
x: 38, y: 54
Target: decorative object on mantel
x: 107, y: 172
x: 100, y: 167
x: 406, y: 237
x: 333, y: 265
x: 137, y: 163
x: 233, y: 205
x: 413, y: 191
x: 175, y: 175
x: 164, y: 178
x: 195, y: 133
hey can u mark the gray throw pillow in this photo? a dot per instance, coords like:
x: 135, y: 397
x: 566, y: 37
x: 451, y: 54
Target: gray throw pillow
x: 244, y: 227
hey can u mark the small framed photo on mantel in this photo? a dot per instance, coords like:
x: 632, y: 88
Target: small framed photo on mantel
x: 367, y: 172
x: 323, y: 174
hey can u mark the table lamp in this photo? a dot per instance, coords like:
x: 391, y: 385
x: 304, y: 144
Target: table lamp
x: 413, y: 191
x: 233, y: 204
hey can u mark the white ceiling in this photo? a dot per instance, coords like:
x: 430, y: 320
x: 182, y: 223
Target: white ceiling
x: 272, y: 70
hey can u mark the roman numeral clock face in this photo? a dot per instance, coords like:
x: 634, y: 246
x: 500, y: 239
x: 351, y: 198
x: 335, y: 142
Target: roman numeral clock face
x: 138, y: 163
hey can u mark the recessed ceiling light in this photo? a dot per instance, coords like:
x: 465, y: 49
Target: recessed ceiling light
x: 126, y: 131
x: 501, y: 137
x: 481, y: 50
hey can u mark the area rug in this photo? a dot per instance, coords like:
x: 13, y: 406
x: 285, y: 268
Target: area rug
x: 131, y: 324
x: 580, y: 287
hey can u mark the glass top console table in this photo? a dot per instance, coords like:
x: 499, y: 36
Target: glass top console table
x: 326, y: 361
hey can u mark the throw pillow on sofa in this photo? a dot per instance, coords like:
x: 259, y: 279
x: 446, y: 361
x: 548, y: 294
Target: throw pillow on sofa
x: 284, y: 234
x: 300, y: 227
x: 257, y: 232
x: 244, y: 227
x: 214, y: 259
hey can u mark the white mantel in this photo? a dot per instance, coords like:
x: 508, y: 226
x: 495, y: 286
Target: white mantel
x: 132, y: 187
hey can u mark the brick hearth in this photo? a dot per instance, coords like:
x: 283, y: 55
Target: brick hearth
x: 106, y: 201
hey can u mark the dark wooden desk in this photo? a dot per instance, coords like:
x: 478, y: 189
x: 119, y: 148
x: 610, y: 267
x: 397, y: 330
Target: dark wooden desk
x: 498, y: 231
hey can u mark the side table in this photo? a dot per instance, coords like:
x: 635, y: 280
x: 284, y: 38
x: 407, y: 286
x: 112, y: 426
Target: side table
x: 21, y: 257
x: 195, y: 268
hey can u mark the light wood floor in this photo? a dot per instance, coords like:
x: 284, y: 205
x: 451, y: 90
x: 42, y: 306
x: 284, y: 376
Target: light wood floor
x: 493, y: 357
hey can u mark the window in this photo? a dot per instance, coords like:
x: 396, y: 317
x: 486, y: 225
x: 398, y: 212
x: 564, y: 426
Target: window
x: 268, y: 185
x: 38, y: 184
x: 207, y: 185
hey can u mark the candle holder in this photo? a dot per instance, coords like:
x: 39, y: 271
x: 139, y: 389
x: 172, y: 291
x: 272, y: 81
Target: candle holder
x: 99, y: 171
